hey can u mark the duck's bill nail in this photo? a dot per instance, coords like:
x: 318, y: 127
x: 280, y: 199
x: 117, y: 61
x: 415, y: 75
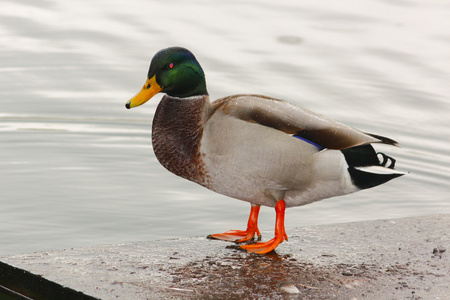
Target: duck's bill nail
x: 150, y: 89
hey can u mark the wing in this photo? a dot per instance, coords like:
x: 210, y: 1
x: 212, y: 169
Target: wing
x: 295, y: 120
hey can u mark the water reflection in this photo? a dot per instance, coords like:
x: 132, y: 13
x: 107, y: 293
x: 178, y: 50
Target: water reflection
x: 250, y: 276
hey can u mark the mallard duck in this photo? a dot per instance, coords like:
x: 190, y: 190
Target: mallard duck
x: 255, y: 148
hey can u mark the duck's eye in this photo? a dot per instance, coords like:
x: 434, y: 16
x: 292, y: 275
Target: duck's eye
x: 171, y: 66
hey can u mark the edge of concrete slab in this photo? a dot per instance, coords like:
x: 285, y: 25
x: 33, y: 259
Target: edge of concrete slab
x: 399, y: 258
x: 16, y: 283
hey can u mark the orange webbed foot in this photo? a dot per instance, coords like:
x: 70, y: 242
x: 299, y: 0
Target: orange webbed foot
x: 240, y: 236
x: 280, y: 234
x: 263, y: 248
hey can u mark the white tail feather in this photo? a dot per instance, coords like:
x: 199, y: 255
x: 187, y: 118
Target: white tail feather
x: 379, y: 170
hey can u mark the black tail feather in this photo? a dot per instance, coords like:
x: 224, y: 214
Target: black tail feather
x: 386, y: 159
x: 365, y: 156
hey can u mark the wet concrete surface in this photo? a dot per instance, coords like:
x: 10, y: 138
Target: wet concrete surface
x: 386, y: 259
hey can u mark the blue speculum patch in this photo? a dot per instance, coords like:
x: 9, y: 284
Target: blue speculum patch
x: 308, y: 141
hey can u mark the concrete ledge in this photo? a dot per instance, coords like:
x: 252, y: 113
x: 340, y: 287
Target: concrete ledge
x: 20, y: 284
x: 384, y: 259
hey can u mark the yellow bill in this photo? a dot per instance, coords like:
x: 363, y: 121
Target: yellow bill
x: 150, y: 89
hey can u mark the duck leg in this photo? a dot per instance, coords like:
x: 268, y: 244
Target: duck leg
x: 280, y: 234
x: 240, y: 236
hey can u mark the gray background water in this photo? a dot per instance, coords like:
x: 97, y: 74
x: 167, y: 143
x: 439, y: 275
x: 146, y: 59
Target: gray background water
x: 77, y: 168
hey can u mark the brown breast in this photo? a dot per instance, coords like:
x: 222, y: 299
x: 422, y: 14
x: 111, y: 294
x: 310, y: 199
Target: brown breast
x: 176, y: 136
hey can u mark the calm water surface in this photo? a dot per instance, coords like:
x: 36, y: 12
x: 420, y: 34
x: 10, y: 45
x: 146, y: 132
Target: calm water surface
x: 77, y: 168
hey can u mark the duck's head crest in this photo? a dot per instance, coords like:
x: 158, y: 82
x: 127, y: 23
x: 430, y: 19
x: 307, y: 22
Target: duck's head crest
x: 174, y: 71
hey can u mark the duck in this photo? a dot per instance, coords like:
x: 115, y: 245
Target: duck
x: 255, y: 148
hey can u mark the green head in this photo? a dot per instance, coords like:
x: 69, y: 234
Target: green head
x: 174, y: 71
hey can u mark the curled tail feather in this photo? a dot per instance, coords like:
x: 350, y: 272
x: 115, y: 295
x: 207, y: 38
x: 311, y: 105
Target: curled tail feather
x: 368, y: 168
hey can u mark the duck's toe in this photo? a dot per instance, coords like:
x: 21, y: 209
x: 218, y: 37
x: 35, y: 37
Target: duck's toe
x: 263, y: 248
x: 238, y: 236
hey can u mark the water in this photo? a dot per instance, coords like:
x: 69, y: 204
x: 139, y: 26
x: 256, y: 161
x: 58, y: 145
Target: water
x: 77, y: 168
